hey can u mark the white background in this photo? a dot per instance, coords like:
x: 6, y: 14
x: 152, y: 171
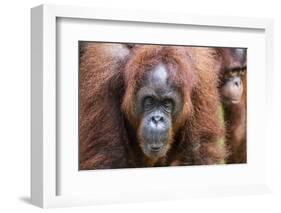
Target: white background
x: 15, y: 105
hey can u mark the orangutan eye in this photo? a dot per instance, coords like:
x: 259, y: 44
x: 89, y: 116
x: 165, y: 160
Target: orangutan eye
x: 148, y: 103
x: 168, y: 105
x: 233, y: 73
x: 242, y: 72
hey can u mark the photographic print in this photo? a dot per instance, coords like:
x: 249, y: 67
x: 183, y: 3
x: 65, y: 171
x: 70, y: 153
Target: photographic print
x: 168, y: 101
x: 147, y: 105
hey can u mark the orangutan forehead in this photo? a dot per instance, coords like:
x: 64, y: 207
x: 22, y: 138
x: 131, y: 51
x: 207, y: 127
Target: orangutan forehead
x: 159, y: 74
x: 158, y: 82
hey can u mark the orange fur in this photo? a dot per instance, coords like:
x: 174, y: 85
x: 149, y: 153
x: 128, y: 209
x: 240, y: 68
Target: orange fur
x: 109, y: 78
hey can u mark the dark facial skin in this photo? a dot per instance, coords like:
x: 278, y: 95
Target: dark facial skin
x: 158, y: 103
x: 234, y: 70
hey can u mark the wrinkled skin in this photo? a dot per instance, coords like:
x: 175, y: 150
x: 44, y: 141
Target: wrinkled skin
x: 157, y: 104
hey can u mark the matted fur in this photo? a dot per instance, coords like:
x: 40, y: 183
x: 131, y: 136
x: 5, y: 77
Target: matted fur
x: 109, y: 78
x: 102, y: 133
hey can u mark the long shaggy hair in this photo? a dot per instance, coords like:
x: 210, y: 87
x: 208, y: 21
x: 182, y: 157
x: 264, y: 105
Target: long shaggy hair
x: 110, y: 75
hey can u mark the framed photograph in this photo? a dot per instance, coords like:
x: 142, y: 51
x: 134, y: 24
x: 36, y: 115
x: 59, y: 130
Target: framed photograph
x: 130, y: 106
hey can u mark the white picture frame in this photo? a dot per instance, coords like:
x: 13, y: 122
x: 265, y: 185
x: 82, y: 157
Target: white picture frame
x: 50, y: 188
